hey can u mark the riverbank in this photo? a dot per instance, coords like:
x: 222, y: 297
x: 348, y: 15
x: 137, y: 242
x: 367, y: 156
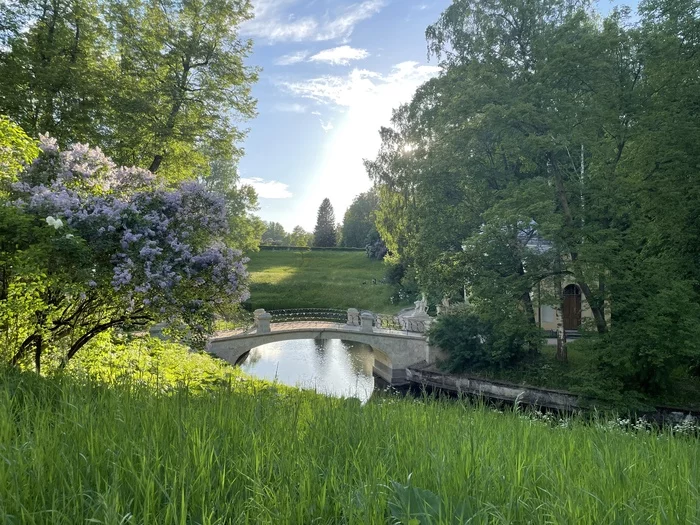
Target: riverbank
x: 430, y: 376
x: 75, y: 452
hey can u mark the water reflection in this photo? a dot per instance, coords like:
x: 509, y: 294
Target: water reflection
x: 333, y: 367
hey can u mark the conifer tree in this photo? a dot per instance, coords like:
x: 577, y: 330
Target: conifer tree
x: 324, y: 232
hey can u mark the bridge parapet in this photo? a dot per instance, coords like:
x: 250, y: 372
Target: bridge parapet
x: 366, y: 320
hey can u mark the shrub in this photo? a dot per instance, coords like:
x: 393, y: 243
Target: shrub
x: 475, y: 341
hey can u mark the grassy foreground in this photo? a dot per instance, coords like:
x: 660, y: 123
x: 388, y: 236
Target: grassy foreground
x: 318, y: 279
x: 75, y: 452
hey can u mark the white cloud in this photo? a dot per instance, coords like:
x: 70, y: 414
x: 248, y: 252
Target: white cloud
x: 292, y: 58
x: 365, y: 100
x: 326, y: 126
x: 339, y: 55
x: 270, y: 189
x: 362, y: 85
x: 290, y: 108
x: 275, y: 23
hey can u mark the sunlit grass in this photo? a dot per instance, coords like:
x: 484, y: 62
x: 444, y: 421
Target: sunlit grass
x: 318, y: 279
x: 75, y: 452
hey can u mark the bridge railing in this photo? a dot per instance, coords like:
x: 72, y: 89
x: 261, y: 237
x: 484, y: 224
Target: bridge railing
x: 406, y: 324
x: 308, y: 314
x: 366, y: 320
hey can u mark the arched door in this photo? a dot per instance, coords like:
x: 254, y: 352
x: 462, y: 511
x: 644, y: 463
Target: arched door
x: 572, y: 307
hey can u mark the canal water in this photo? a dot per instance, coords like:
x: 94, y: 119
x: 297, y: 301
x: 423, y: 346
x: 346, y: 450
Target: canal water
x: 331, y: 367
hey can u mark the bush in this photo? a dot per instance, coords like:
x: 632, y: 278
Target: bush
x: 473, y: 341
x: 394, y: 272
x: 376, y: 250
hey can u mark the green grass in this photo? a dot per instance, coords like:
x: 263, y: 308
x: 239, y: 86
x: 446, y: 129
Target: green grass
x: 78, y: 452
x: 318, y: 279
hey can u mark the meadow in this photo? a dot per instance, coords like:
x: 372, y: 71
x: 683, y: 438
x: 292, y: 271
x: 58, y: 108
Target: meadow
x: 81, y: 452
x: 318, y: 279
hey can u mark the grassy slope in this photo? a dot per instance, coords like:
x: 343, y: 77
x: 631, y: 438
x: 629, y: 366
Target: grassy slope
x: 83, y: 453
x: 289, y: 279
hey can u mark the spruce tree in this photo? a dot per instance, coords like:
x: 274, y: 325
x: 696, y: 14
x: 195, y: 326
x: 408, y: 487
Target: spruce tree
x: 324, y: 232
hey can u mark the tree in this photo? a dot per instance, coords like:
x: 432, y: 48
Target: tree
x: 156, y: 84
x: 275, y: 234
x: 549, y: 123
x: 246, y: 228
x: 181, y: 63
x: 17, y: 150
x: 358, y: 223
x: 56, y: 72
x: 324, y: 232
x: 87, y: 247
x: 300, y: 237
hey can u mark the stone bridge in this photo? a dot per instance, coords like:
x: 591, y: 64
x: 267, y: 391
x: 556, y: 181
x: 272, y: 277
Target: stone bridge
x: 395, y: 350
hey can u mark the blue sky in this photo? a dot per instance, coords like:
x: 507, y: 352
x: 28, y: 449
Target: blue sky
x: 332, y: 71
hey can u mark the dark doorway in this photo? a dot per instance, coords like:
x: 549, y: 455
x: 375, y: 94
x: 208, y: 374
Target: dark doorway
x: 572, y: 307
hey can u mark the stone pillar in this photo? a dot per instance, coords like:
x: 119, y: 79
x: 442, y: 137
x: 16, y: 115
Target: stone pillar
x: 262, y: 321
x: 157, y: 331
x: 366, y: 319
x: 353, y: 317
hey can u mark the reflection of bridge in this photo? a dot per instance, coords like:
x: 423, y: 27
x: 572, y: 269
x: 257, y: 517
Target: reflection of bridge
x: 395, y: 350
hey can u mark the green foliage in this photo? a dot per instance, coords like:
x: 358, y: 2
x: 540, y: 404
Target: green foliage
x: 115, y: 359
x: 17, y: 150
x: 557, y: 145
x: 642, y: 355
x: 275, y: 234
x: 325, y: 230
x: 88, y: 71
x: 358, y: 223
x: 80, y: 452
x: 300, y: 237
x: 246, y: 228
x: 474, y: 341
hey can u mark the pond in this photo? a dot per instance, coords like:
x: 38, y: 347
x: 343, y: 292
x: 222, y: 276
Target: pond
x: 332, y: 367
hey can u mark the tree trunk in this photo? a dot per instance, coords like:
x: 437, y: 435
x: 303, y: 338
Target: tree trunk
x: 39, y: 343
x: 596, y: 309
x: 23, y: 348
x: 562, y: 352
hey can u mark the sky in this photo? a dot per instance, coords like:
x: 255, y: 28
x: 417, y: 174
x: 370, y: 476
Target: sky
x: 332, y: 71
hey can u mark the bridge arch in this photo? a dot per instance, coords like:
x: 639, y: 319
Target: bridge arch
x: 395, y: 351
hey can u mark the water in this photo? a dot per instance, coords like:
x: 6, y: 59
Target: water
x: 332, y: 367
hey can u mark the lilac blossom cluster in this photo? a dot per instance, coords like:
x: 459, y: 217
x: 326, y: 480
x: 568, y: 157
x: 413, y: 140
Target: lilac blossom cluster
x: 160, y: 249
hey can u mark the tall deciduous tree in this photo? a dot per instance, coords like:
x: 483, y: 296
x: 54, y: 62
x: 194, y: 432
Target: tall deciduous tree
x: 551, y: 123
x: 157, y: 84
x: 324, y: 232
x: 300, y: 237
x: 358, y: 222
x: 181, y: 64
x: 56, y: 69
x: 274, y: 234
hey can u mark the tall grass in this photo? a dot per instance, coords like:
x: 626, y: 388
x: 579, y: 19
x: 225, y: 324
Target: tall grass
x: 77, y: 452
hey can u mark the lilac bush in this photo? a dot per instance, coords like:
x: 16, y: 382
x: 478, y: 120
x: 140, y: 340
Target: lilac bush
x: 125, y: 248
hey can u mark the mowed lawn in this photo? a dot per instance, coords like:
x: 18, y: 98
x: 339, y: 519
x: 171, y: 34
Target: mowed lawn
x: 318, y: 279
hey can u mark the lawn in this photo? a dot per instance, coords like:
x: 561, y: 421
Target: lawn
x: 79, y: 452
x: 318, y: 279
